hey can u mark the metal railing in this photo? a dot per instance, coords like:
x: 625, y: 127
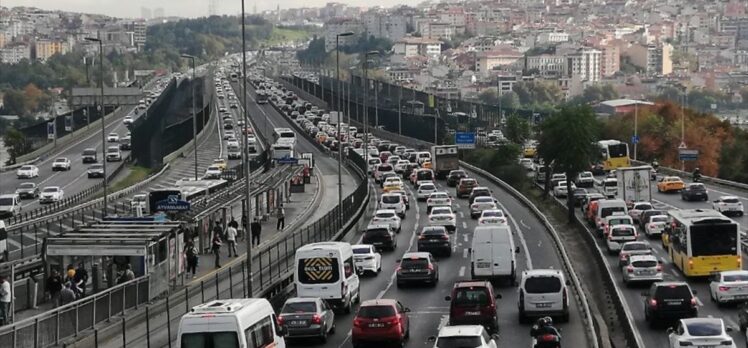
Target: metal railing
x: 704, y: 178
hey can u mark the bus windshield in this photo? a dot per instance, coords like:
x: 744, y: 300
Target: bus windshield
x: 618, y: 150
x: 714, y: 239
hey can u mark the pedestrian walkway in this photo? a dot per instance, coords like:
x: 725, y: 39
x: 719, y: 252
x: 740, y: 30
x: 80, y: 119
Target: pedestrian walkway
x: 298, y: 208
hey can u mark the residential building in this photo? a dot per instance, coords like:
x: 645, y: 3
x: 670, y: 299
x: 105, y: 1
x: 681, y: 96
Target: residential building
x: 47, y: 48
x: 584, y: 64
x: 138, y: 30
x: 384, y: 25
x: 14, y: 53
x: 610, y: 59
x: 3, y: 40
x: 337, y: 26
x: 550, y: 38
x: 435, y: 30
x: 656, y: 59
x: 410, y: 46
x: 497, y: 57
x: 547, y: 65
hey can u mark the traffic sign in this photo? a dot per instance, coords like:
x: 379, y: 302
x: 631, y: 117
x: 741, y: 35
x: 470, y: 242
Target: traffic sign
x: 682, y: 145
x: 172, y: 203
x: 465, y: 140
x: 635, y: 139
x: 287, y: 160
x: 688, y: 155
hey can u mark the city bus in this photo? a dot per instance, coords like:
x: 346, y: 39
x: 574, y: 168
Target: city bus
x: 613, y: 154
x: 703, y: 241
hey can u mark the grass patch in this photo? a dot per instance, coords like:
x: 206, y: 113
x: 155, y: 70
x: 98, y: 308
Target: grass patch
x: 136, y: 175
x: 283, y: 35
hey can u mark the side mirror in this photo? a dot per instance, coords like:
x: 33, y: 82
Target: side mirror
x: 495, y: 337
x: 670, y: 330
x: 406, y: 310
x: 431, y: 339
x: 447, y: 298
x: 516, y: 250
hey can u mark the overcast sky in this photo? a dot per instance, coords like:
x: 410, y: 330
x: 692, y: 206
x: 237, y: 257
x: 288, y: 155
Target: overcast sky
x: 182, y: 8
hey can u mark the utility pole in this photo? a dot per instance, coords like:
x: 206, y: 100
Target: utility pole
x: 247, y: 161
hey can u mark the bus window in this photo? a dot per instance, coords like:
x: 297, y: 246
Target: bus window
x: 704, y: 243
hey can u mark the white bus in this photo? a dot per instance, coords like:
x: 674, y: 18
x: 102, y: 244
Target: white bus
x: 283, y: 134
x: 283, y: 150
x: 326, y: 270
x: 231, y: 323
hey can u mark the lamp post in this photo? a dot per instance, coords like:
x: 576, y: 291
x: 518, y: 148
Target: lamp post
x: 340, y: 118
x: 245, y: 157
x: 103, y: 126
x: 194, y: 117
x: 366, y: 108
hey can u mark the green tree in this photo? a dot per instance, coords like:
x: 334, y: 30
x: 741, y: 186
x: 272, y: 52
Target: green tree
x: 517, y: 129
x: 16, y: 144
x: 489, y: 97
x: 564, y: 142
x: 510, y: 100
x: 314, y: 54
x: 14, y: 103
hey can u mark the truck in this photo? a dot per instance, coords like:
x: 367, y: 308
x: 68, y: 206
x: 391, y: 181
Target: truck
x: 444, y: 159
x: 634, y: 183
x: 335, y: 117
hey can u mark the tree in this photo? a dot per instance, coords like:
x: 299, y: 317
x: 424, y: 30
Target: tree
x: 14, y: 103
x: 314, y: 53
x: 16, y: 144
x: 565, y: 143
x: 510, y: 100
x: 489, y: 97
x: 517, y: 129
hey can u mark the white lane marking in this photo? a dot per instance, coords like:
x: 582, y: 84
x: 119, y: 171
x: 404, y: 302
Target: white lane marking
x: 48, y: 178
x: 462, y: 271
x: 464, y: 253
x: 76, y: 179
x: 465, y: 237
x: 523, y: 224
x: 698, y: 301
x: 462, y: 215
x: 464, y: 225
x: 457, y: 205
x: 528, y: 258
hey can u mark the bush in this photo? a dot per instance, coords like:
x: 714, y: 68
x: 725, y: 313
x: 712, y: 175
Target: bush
x: 501, y: 162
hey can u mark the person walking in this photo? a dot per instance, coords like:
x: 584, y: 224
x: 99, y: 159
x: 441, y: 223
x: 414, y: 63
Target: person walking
x: 235, y: 225
x: 5, y: 299
x: 67, y: 294
x: 256, y: 231
x: 231, y: 239
x: 127, y: 274
x: 218, y: 230
x: 53, y: 287
x: 191, y: 253
x: 81, y: 279
x: 281, y: 215
x: 216, y: 247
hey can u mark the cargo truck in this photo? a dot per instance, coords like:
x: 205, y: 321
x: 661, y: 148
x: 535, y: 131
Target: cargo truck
x: 634, y: 184
x: 444, y: 159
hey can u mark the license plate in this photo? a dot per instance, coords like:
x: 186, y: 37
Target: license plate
x: 484, y: 264
x: 472, y: 313
x: 413, y: 271
x: 542, y: 305
x: 377, y: 243
x: 297, y: 323
x: 376, y: 325
x: 741, y: 297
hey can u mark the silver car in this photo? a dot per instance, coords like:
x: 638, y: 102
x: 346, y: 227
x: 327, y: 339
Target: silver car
x: 642, y: 268
x: 307, y: 317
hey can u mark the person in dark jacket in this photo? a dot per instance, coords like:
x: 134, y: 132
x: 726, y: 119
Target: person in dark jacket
x: 191, y: 254
x: 54, y: 286
x: 216, y: 247
x: 81, y: 279
x: 256, y: 231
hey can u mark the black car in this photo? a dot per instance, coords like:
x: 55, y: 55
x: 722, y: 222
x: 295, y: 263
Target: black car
x: 479, y: 192
x: 579, y: 195
x: 647, y: 214
x: 417, y: 267
x: 380, y: 236
x: 96, y: 171
x: 435, y: 239
x: 125, y: 145
x: 409, y: 169
x: 694, y: 191
x: 454, y: 177
x: 669, y: 301
x: 28, y: 190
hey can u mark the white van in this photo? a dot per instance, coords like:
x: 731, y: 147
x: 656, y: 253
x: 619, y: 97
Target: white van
x: 609, y: 187
x: 492, y: 253
x: 543, y: 292
x: 234, y: 152
x: 423, y: 157
x: 326, y: 270
x: 10, y: 205
x: 608, y: 207
x: 249, y: 322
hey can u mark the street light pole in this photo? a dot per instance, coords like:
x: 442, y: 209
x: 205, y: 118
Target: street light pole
x: 340, y: 119
x: 194, y: 116
x: 245, y: 158
x: 103, y: 126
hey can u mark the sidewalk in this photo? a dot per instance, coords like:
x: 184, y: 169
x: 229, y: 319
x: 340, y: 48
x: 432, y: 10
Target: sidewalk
x: 297, y: 207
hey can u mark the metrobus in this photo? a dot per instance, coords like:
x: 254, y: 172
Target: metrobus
x: 703, y: 241
x: 283, y: 135
x: 613, y: 154
x: 262, y: 97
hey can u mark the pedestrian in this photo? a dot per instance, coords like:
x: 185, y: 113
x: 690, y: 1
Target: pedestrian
x: 67, y: 294
x: 245, y: 231
x: 127, y: 274
x: 235, y: 225
x: 256, y: 231
x: 81, y: 279
x: 231, y: 239
x: 216, y: 246
x: 218, y: 230
x: 5, y: 299
x: 281, y: 215
x: 53, y: 287
x: 191, y: 253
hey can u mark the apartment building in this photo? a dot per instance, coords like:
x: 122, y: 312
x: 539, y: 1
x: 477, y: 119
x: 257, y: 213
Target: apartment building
x: 384, y: 25
x: 584, y: 64
x: 497, y: 57
x: 44, y: 49
x: 14, y: 53
x: 337, y: 26
x: 410, y: 46
x: 656, y: 59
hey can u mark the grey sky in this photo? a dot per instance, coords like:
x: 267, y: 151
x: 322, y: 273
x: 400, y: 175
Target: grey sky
x: 183, y: 8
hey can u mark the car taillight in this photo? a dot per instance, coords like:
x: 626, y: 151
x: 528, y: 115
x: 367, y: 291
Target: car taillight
x: 651, y: 226
x: 653, y: 303
x: 357, y: 322
x: 316, y: 319
x: 630, y: 269
x: 398, y: 269
x: 693, y: 302
x: 445, y: 237
x: 421, y: 237
x: 659, y: 268
x: 281, y: 320
x: 431, y: 268
x: 724, y: 288
x: 690, y: 263
x: 547, y: 338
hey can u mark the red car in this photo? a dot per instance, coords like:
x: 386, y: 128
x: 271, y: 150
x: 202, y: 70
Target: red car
x: 382, y: 320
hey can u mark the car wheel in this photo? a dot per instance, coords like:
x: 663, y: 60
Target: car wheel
x: 323, y: 337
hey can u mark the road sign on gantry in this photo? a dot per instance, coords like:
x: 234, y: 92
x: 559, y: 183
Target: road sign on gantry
x: 465, y: 140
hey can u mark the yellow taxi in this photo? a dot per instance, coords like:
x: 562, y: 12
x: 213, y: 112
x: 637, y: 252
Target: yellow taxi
x: 426, y: 165
x: 220, y: 162
x: 392, y: 184
x: 529, y: 151
x: 670, y: 184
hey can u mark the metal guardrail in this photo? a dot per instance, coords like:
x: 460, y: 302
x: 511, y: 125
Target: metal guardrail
x: 704, y: 178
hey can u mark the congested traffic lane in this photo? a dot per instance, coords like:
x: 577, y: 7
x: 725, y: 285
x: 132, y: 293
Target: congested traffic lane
x: 429, y: 309
x: 632, y: 295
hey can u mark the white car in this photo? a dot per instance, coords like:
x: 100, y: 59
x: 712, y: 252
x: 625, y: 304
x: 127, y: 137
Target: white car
x: 585, y: 179
x: 27, y: 172
x: 234, y: 143
x: 443, y: 216
x: 700, y: 332
x: 560, y: 190
x: 227, y: 134
x: 527, y: 163
x: 61, y: 164
x: 543, y: 292
x: 113, y: 154
x: 393, y: 181
x: 387, y: 217
x: 618, y: 235
x: 112, y: 138
x: 638, y: 208
x: 128, y: 120
x: 729, y: 286
x: 366, y: 258
x: 394, y: 201
x: 480, y: 204
x: 51, y: 194
x: 492, y: 217
x: 213, y: 172
x: 374, y: 163
x: 642, y: 268
x: 633, y: 248
x: 728, y: 205
x: 655, y: 226
x: 473, y: 336
x: 438, y: 199
x: 425, y: 190
x: 401, y: 165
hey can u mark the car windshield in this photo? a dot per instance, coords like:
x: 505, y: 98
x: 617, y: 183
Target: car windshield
x: 300, y: 307
x: 377, y: 232
x: 635, y: 246
x: 644, y: 263
x: 427, y: 187
x: 459, y: 342
x: 457, y: 173
x: 605, y: 212
x: 414, y: 263
x: 376, y: 311
x: 543, y: 284
x: 50, y: 189
x: 707, y: 328
x: 610, y: 183
x: 385, y: 168
x: 26, y: 185
x: 658, y: 219
x: 731, y: 200
x: 361, y: 251
x: 470, y: 297
x: 643, y: 206
x: 424, y: 175
x: 493, y: 213
x: 697, y: 187
x: 97, y: 166
x: 623, y: 232
x: 26, y: 168
x: 714, y: 239
x: 441, y: 210
x: 6, y: 201
x: 391, y: 199
x: 60, y: 160
x: 210, y: 339
x: 468, y: 182
x: 386, y: 214
x: 439, y: 195
x: 621, y: 221
x: 673, y: 292
x: 484, y: 200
